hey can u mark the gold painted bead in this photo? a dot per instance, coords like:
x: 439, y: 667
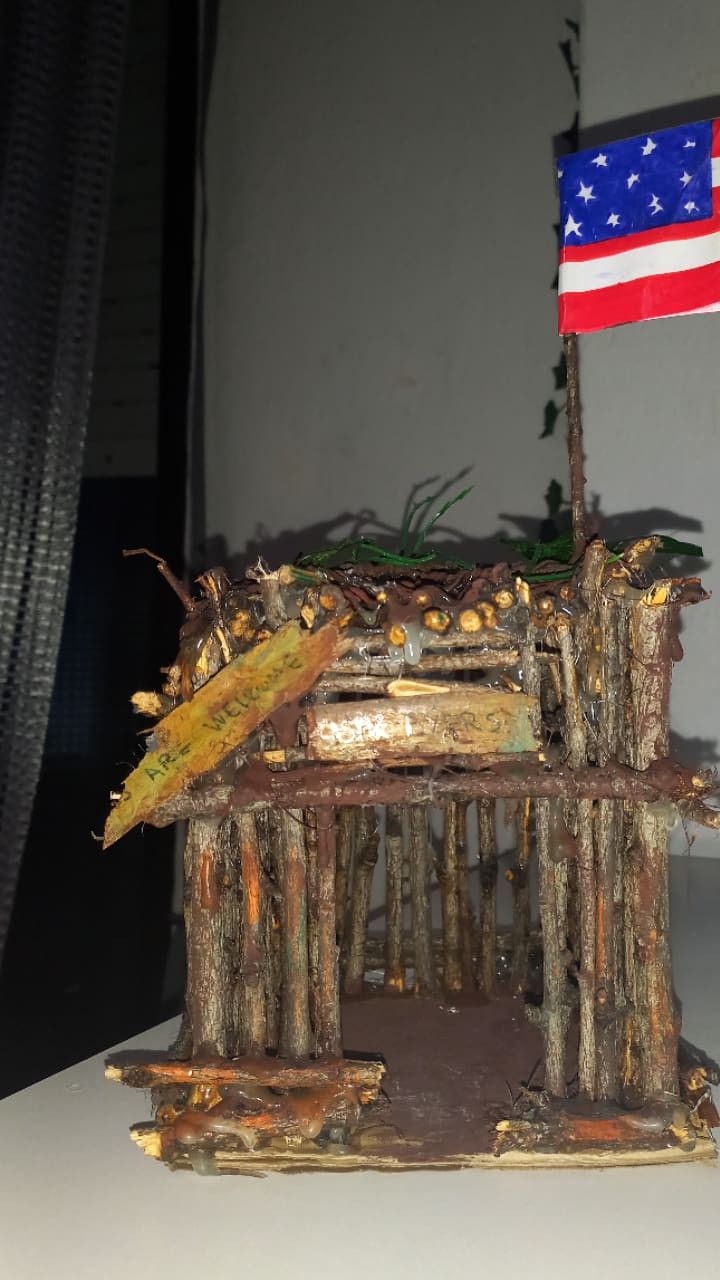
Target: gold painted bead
x: 381, y: 596
x: 422, y: 598
x: 470, y: 620
x: 328, y: 601
x: 546, y: 605
x: 523, y: 590
x: 396, y: 635
x: 567, y: 592
x: 488, y: 614
x: 504, y: 599
x: 436, y: 620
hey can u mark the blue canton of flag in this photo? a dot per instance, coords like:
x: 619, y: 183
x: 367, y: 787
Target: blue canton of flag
x: 635, y: 185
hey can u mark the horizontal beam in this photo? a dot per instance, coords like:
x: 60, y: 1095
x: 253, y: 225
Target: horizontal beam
x: 462, y: 778
x: 274, y: 1073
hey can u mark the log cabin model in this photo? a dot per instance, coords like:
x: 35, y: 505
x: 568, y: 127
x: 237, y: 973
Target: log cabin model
x: 338, y: 735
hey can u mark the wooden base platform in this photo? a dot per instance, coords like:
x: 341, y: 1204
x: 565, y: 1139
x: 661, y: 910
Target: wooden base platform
x: 454, y: 1097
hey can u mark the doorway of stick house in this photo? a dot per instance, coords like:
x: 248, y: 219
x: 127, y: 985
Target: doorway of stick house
x: 456, y: 1056
x: 86, y: 956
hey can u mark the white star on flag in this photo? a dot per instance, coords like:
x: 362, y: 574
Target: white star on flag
x: 571, y: 226
x: 600, y: 160
x: 649, y: 147
x: 634, y: 177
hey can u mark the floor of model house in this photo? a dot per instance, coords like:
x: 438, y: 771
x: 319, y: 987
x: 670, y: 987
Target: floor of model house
x: 453, y: 1066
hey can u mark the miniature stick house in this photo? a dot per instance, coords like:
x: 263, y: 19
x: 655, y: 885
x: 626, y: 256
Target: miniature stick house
x: 339, y: 737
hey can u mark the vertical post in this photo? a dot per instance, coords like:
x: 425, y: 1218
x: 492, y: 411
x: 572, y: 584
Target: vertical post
x: 347, y: 822
x: 555, y: 1012
x: 212, y: 928
x: 609, y: 832
x: 575, y: 442
x: 368, y: 840
x: 467, y: 919
x: 652, y: 629
x: 575, y: 743
x: 311, y: 856
x: 521, y: 899
x: 487, y: 850
x: 328, y: 1030
x: 266, y: 825
x: 252, y: 951
x: 425, y: 981
x: 295, y: 1029
x: 394, y: 978
x: 450, y: 899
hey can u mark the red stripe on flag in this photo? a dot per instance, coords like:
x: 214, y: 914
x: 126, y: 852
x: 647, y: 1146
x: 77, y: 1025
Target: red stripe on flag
x: 677, y: 231
x: 647, y: 299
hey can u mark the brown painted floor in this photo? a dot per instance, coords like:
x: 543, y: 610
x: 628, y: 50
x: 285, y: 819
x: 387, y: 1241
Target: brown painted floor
x: 449, y: 1065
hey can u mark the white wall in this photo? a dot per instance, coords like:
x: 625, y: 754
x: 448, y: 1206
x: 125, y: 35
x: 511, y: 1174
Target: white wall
x: 651, y: 392
x: 379, y: 257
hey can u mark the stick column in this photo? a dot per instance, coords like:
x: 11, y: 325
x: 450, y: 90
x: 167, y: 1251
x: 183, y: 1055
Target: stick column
x: 652, y: 632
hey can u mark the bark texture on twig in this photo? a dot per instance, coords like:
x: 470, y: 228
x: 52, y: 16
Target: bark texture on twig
x: 295, y: 1028
x: 212, y: 927
x: 347, y: 823
x: 328, y: 1029
x: 575, y: 442
x: 425, y: 980
x: 554, y: 1015
x: 652, y: 632
x: 368, y: 839
x: 450, y: 900
x: 252, y: 950
x: 394, y: 978
x: 487, y: 850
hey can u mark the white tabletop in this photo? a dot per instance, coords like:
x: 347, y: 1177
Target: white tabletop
x: 78, y: 1200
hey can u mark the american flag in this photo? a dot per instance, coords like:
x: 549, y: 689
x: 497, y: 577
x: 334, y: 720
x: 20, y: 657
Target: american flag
x: 640, y: 229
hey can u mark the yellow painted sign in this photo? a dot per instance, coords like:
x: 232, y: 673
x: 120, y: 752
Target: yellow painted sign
x: 459, y: 721
x: 198, y: 735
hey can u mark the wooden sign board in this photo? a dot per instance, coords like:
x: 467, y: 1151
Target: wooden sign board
x: 200, y: 734
x: 462, y: 722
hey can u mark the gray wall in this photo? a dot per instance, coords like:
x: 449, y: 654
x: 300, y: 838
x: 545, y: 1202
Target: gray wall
x: 378, y: 260
x: 651, y: 392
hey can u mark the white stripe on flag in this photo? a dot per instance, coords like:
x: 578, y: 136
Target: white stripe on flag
x: 716, y: 171
x: 650, y: 260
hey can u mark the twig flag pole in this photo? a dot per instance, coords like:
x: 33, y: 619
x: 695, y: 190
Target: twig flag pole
x: 575, y: 444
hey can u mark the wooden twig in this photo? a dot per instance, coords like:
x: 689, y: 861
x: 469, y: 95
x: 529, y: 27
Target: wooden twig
x: 450, y: 899
x: 521, y: 899
x: 212, y: 928
x: 295, y: 1029
x: 487, y: 849
x: 368, y: 839
x: 425, y: 980
x: 575, y: 443
x: 344, y: 785
x: 252, y: 953
x: 265, y: 822
x: 328, y: 1031
x: 347, y: 824
x: 467, y: 920
x: 657, y: 1022
x: 273, y: 1073
x: 394, y: 977
x: 311, y: 856
x: 554, y: 1015
x: 166, y: 572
